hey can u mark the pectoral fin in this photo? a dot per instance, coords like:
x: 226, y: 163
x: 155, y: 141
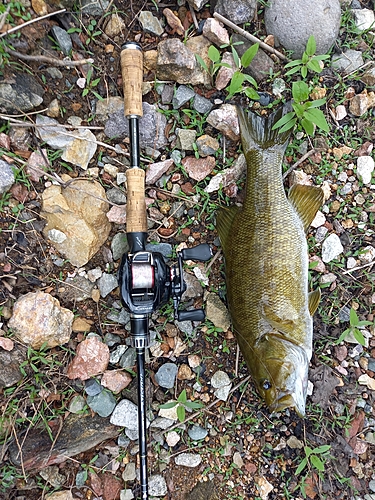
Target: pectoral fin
x: 224, y: 221
x: 282, y: 325
x: 314, y: 299
x: 306, y: 200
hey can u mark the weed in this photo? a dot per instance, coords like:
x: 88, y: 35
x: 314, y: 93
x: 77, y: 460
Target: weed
x: 304, y: 112
x: 309, y: 60
x: 182, y: 404
x: 90, y: 85
x: 353, y: 329
x: 216, y: 63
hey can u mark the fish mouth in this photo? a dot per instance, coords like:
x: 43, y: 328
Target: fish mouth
x: 289, y: 401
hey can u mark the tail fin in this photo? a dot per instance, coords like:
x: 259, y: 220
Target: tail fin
x: 257, y: 132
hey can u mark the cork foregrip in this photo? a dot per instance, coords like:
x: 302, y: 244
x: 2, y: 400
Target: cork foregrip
x: 132, y: 77
x: 136, y: 220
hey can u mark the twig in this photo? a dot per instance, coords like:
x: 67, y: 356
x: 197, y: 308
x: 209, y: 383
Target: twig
x: 250, y: 37
x: 194, y: 17
x: 20, y: 26
x: 298, y: 162
x: 19, y: 123
x: 3, y: 17
x: 370, y: 264
x: 49, y: 60
x: 357, y: 69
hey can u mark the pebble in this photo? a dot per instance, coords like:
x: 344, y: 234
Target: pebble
x: 103, y: 403
x: 185, y: 139
x: 63, y: 39
x: 197, y: 433
x: 319, y: 219
x: 340, y: 112
x: 77, y: 404
x: 294, y: 443
x: 215, y: 32
x: 359, y: 104
x: 188, y: 459
x: 199, y: 168
x: 351, y: 263
x: 182, y: 95
x: 95, y: 8
x: 320, y: 234
x: 128, y: 359
x: 126, y: 415
x: 221, y: 382
x: 119, y: 245
x: 235, y: 12
x: 348, y: 61
x: 169, y: 413
x: 364, y: 18
x: 367, y: 254
x: 117, y: 353
x: 207, y: 145
x: 150, y: 23
x: 93, y: 275
x: 217, y: 312
x: 156, y: 170
x: 331, y: 248
x: 165, y: 249
x: 224, y: 75
x: 7, y: 178
x: 172, y: 438
x: 116, y: 196
x: 126, y: 494
x: 225, y: 120
x: 116, y: 381
x: 365, y: 167
x: 201, y: 104
x: 92, y: 358
x: 92, y: 387
x: 166, y: 375
x: 328, y: 278
x: 129, y: 473
x: 157, y: 487
x: 107, y: 283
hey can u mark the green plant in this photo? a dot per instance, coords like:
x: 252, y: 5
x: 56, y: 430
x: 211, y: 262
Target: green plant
x: 239, y: 77
x: 309, y: 60
x: 315, y: 459
x: 182, y: 404
x: 353, y: 329
x: 214, y: 57
x: 90, y: 85
x: 304, y: 112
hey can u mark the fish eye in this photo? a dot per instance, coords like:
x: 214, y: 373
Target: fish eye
x: 267, y: 385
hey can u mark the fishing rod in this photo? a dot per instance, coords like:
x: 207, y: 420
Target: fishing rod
x: 146, y: 281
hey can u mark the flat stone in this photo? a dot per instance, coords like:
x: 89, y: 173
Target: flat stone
x: 129, y: 473
x: 365, y: 168
x: 217, y: 312
x: 157, y: 485
x: 103, y: 403
x: 81, y: 325
x: 21, y: 93
x: 197, y: 433
x: 207, y: 145
x: 63, y: 39
x: 156, y: 170
x: 199, y: 168
x: 172, y: 438
x: 186, y: 139
x: 115, y: 26
x: 201, y: 104
x: 92, y: 387
x: 215, y: 32
x: 221, y: 382
x: 188, y: 459
x: 182, y: 95
x: 78, y: 434
x: 238, y: 13
x: 166, y: 375
x: 77, y: 404
x: 261, y: 65
x: 175, y: 61
x: 150, y: 23
x: 107, y: 283
x: 92, y: 358
x: 128, y: 359
x: 348, y: 61
x: 78, y: 211
x: 116, y: 381
x: 364, y: 18
x: 7, y: 178
x: 126, y: 415
x: 94, y: 8
x: 367, y: 254
x: 119, y: 245
x: 116, y: 196
x: 126, y: 494
x: 39, y: 319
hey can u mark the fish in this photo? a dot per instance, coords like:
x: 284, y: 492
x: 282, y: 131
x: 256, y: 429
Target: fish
x: 266, y: 267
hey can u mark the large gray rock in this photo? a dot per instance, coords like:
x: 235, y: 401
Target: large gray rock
x: 20, y: 93
x: 293, y: 21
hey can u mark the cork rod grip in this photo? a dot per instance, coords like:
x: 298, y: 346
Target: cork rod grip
x: 136, y: 220
x: 132, y: 77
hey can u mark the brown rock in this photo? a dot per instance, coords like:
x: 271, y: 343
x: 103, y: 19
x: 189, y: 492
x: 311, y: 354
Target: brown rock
x: 81, y: 325
x: 111, y: 487
x: 76, y: 219
x: 91, y: 359
x: 174, y: 22
x: 198, y: 168
x: 156, y: 170
x: 38, y: 318
x: 185, y: 373
x: 116, y: 381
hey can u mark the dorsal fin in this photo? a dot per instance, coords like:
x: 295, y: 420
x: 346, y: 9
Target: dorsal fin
x: 224, y: 221
x: 314, y: 299
x: 306, y: 200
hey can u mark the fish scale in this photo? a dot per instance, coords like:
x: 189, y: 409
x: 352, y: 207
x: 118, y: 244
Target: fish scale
x: 266, y: 268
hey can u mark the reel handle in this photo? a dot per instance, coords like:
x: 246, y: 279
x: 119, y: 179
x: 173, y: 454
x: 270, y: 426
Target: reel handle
x: 132, y: 78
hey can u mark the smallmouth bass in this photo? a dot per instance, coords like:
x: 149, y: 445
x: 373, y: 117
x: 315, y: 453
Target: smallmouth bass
x: 266, y: 267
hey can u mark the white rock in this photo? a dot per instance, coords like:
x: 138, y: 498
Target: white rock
x: 56, y: 236
x: 188, y: 459
x: 170, y: 413
x: 365, y: 167
x: 364, y: 18
x: 351, y: 263
x: 331, y: 248
x: 215, y: 32
x: 126, y: 415
x: 157, y: 486
x: 126, y: 495
x: 319, y: 219
x: 340, y: 112
x: 172, y: 438
x: 367, y: 254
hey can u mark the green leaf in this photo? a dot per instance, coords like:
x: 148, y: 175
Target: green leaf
x: 236, y: 83
x: 251, y: 94
x: 181, y: 413
x: 291, y: 64
x: 317, y: 463
x: 358, y: 335
x: 316, y: 116
x: 98, y: 96
x: 301, y: 466
x: 317, y: 103
x: 251, y: 80
x: 249, y: 55
x: 364, y: 323
x: 300, y: 91
x: 304, y: 71
x: 292, y: 71
x: 193, y: 404
x: 321, y: 449
x: 85, y: 92
x: 311, y: 46
x: 182, y: 397
x: 305, y: 58
x: 201, y: 62
x: 314, y: 66
x: 308, y: 451
x: 343, y: 336
x: 167, y: 406
x: 308, y: 126
x: 284, y: 119
x: 288, y: 125
x: 353, y: 317
x: 213, y: 53
x: 299, y: 109
x: 236, y: 58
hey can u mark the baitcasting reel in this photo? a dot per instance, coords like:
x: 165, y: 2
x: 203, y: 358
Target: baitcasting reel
x: 147, y: 282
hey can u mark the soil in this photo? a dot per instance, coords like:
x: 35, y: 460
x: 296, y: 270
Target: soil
x: 340, y: 413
